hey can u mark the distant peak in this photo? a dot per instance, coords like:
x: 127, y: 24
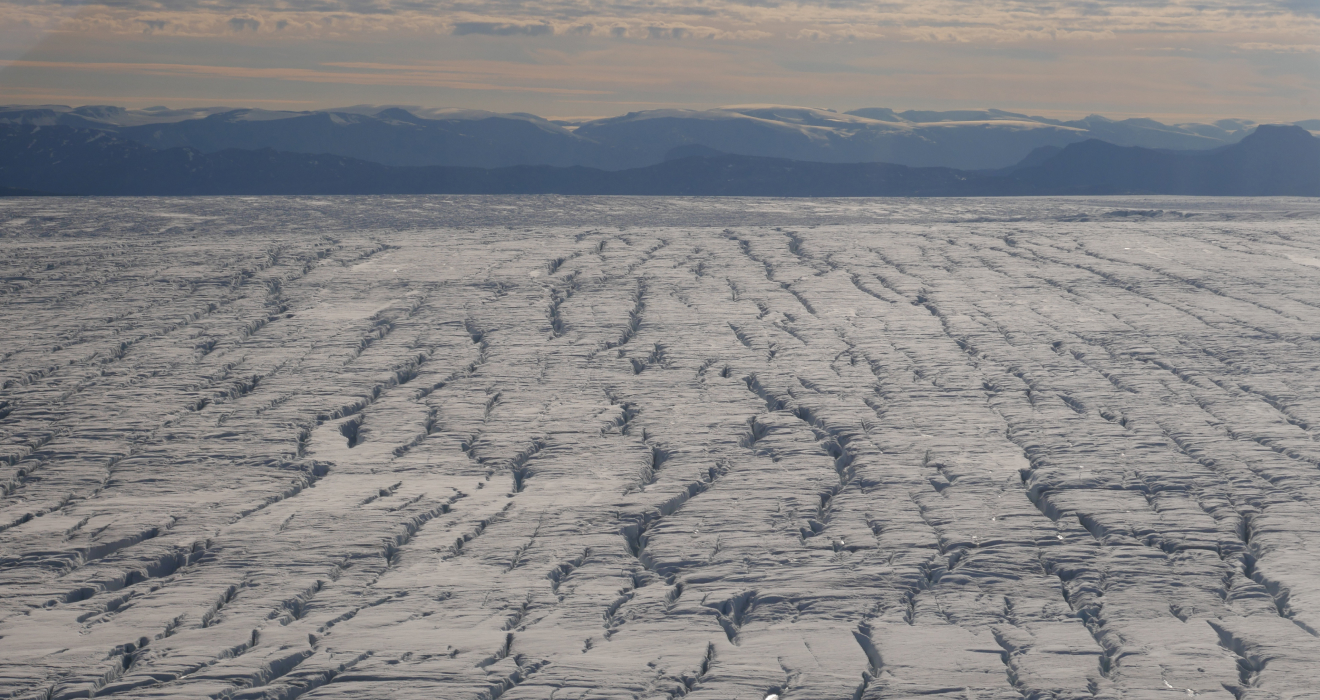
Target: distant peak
x: 1280, y: 138
x: 1281, y: 131
x: 397, y: 114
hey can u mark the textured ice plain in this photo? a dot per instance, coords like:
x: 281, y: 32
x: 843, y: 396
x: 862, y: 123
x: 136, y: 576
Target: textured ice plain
x: 529, y: 447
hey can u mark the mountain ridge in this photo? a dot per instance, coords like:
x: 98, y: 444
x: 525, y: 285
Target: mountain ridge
x: 1274, y: 160
x: 402, y: 135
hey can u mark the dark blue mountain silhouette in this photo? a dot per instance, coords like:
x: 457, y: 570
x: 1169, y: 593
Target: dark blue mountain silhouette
x: 1275, y: 160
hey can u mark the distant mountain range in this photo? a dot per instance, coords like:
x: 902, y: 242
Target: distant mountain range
x: 967, y: 140
x: 1272, y: 160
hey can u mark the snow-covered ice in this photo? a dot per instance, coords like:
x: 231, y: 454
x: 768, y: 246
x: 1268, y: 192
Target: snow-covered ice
x: 542, y: 447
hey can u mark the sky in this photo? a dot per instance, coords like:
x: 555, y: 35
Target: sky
x: 1173, y: 60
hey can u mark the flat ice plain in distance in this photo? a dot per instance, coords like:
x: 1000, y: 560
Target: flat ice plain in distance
x: 542, y: 447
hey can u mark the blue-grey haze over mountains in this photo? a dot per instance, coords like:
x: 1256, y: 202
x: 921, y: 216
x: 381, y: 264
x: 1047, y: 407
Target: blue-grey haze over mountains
x: 110, y: 151
x: 410, y: 136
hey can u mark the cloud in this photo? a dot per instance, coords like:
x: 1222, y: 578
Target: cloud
x: 502, y: 29
x: 1278, y: 48
x: 668, y: 32
x: 1308, y: 7
x: 1234, y: 58
x: 935, y: 21
x: 470, y: 76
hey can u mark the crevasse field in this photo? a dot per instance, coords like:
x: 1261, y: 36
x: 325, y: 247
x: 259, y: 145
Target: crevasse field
x: 542, y: 447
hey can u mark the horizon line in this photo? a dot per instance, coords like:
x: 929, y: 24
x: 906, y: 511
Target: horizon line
x: 148, y: 104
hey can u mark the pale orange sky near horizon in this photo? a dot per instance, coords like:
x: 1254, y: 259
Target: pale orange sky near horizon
x: 1174, y: 60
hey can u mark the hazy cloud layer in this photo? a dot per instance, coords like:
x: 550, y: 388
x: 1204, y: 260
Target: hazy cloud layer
x: 825, y: 20
x: 1192, y: 59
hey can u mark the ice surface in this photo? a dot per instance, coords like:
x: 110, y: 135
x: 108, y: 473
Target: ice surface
x: 540, y: 447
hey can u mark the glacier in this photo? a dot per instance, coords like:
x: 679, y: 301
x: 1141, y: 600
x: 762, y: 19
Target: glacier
x: 611, y: 447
